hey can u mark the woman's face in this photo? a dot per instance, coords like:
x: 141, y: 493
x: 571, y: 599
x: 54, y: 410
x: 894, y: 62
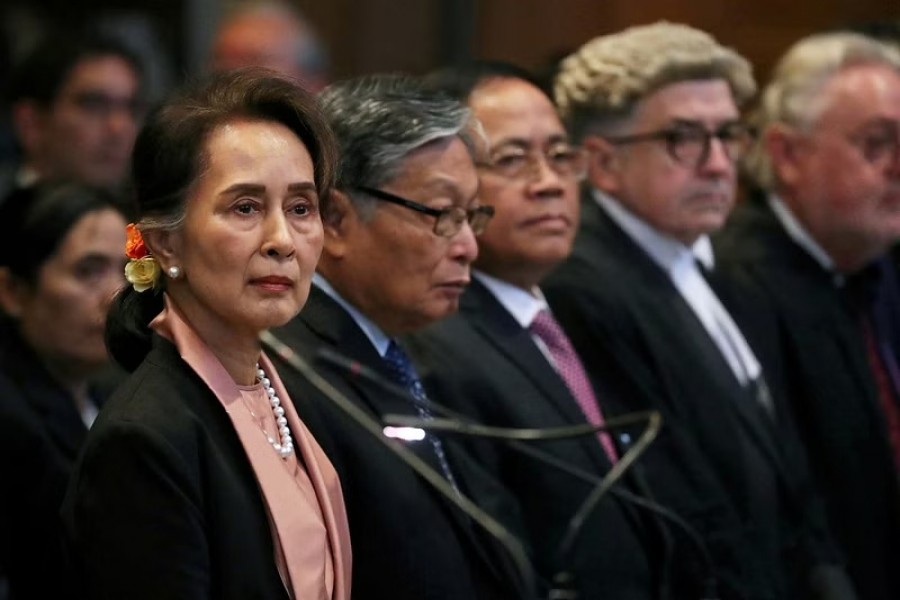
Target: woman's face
x: 62, y: 315
x: 252, y: 232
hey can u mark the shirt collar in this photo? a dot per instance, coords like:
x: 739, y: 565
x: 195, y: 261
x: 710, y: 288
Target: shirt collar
x: 798, y: 233
x: 665, y: 251
x: 378, y: 338
x: 523, y: 305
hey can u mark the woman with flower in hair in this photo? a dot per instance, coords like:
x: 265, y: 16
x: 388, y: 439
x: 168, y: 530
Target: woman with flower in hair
x: 60, y: 266
x: 199, y: 480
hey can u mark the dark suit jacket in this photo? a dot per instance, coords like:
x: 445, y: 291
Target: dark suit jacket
x: 163, y: 502
x: 408, y: 541
x: 617, y: 304
x: 821, y: 353
x: 40, y: 434
x: 484, y: 364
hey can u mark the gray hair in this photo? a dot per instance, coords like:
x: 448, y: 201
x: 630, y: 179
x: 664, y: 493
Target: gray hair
x: 793, y: 97
x: 600, y: 85
x: 379, y: 120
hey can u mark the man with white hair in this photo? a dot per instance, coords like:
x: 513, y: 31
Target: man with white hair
x: 813, y: 249
x: 657, y: 109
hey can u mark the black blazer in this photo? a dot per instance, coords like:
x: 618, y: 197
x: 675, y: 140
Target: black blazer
x: 40, y: 434
x: 163, y: 463
x: 618, y: 305
x: 484, y: 364
x: 821, y: 354
x: 408, y: 541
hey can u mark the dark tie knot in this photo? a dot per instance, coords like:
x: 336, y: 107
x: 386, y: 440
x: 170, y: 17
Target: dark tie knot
x: 398, y: 363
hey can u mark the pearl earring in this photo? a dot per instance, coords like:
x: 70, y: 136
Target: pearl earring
x: 173, y: 272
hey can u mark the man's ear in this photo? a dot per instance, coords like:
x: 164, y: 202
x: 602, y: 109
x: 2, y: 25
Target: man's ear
x: 29, y: 121
x: 339, y: 220
x: 604, y: 164
x: 780, y: 143
x: 13, y: 293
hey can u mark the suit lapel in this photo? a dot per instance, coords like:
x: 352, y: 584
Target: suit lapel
x: 792, y: 273
x: 53, y: 406
x: 606, y: 241
x: 339, y: 332
x: 499, y: 329
x: 337, y: 329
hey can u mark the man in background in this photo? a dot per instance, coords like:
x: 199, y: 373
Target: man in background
x: 399, y: 241
x: 271, y: 34
x: 77, y: 107
x: 658, y: 109
x: 813, y: 248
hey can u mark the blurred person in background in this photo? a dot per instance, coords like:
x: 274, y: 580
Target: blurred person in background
x: 657, y: 108
x: 60, y: 266
x: 813, y: 249
x: 505, y: 360
x: 275, y: 35
x: 76, y: 109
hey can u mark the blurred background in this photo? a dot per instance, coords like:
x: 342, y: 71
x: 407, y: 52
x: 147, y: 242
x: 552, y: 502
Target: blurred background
x: 175, y: 37
x: 362, y: 36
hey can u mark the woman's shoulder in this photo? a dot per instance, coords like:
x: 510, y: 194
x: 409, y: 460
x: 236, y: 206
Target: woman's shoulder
x: 163, y: 398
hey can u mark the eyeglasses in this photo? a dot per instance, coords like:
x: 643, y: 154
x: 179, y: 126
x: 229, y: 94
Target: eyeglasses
x: 690, y: 145
x: 880, y: 146
x: 566, y: 161
x: 102, y: 106
x: 448, y: 221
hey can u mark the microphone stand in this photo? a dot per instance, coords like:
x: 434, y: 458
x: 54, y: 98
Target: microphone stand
x: 710, y: 584
x: 512, y: 545
x: 517, y: 439
x: 653, y: 420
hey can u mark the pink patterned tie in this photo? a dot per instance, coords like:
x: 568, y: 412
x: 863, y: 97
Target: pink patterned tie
x: 569, y: 367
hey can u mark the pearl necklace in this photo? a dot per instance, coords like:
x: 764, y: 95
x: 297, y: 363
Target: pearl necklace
x: 285, y: 446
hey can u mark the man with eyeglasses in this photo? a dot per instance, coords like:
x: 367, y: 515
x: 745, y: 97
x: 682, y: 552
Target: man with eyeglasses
x: 657, y: 109
x: 813, y: 251
x: 77, y: 105
x: 503, y: 359
x: 399, y: 242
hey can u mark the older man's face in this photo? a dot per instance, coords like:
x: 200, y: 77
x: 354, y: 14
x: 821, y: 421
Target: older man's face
x: 682, y: 199
x: 400, y: 273
x: 842, y: 178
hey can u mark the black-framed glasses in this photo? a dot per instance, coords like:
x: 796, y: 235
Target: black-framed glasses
x: 516, y: 162
x: 448, y: 221
x: 690, y: 144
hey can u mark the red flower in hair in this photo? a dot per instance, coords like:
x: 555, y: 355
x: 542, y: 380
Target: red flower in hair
x: 135, y: 248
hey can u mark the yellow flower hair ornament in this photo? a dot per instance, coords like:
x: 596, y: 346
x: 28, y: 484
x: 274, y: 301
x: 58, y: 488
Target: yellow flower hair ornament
x: 142, y: 271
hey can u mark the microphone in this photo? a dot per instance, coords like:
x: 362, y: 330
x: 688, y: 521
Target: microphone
x: 513, y: 545
x: 710, y: 584
x: 514, y: 437
x: 602, y: 485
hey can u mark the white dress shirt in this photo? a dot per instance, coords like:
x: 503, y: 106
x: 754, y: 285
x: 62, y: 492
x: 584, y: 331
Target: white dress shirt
x: 523, y: 305
x: 680, y: 264
x: 378, y: 338
x: 801, y: 237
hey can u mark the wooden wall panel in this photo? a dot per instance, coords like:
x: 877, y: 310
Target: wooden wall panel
x: 366, y: 36
x: 533, y: 31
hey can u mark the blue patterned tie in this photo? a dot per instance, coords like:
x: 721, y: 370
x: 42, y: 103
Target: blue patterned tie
x: 404, y: 373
